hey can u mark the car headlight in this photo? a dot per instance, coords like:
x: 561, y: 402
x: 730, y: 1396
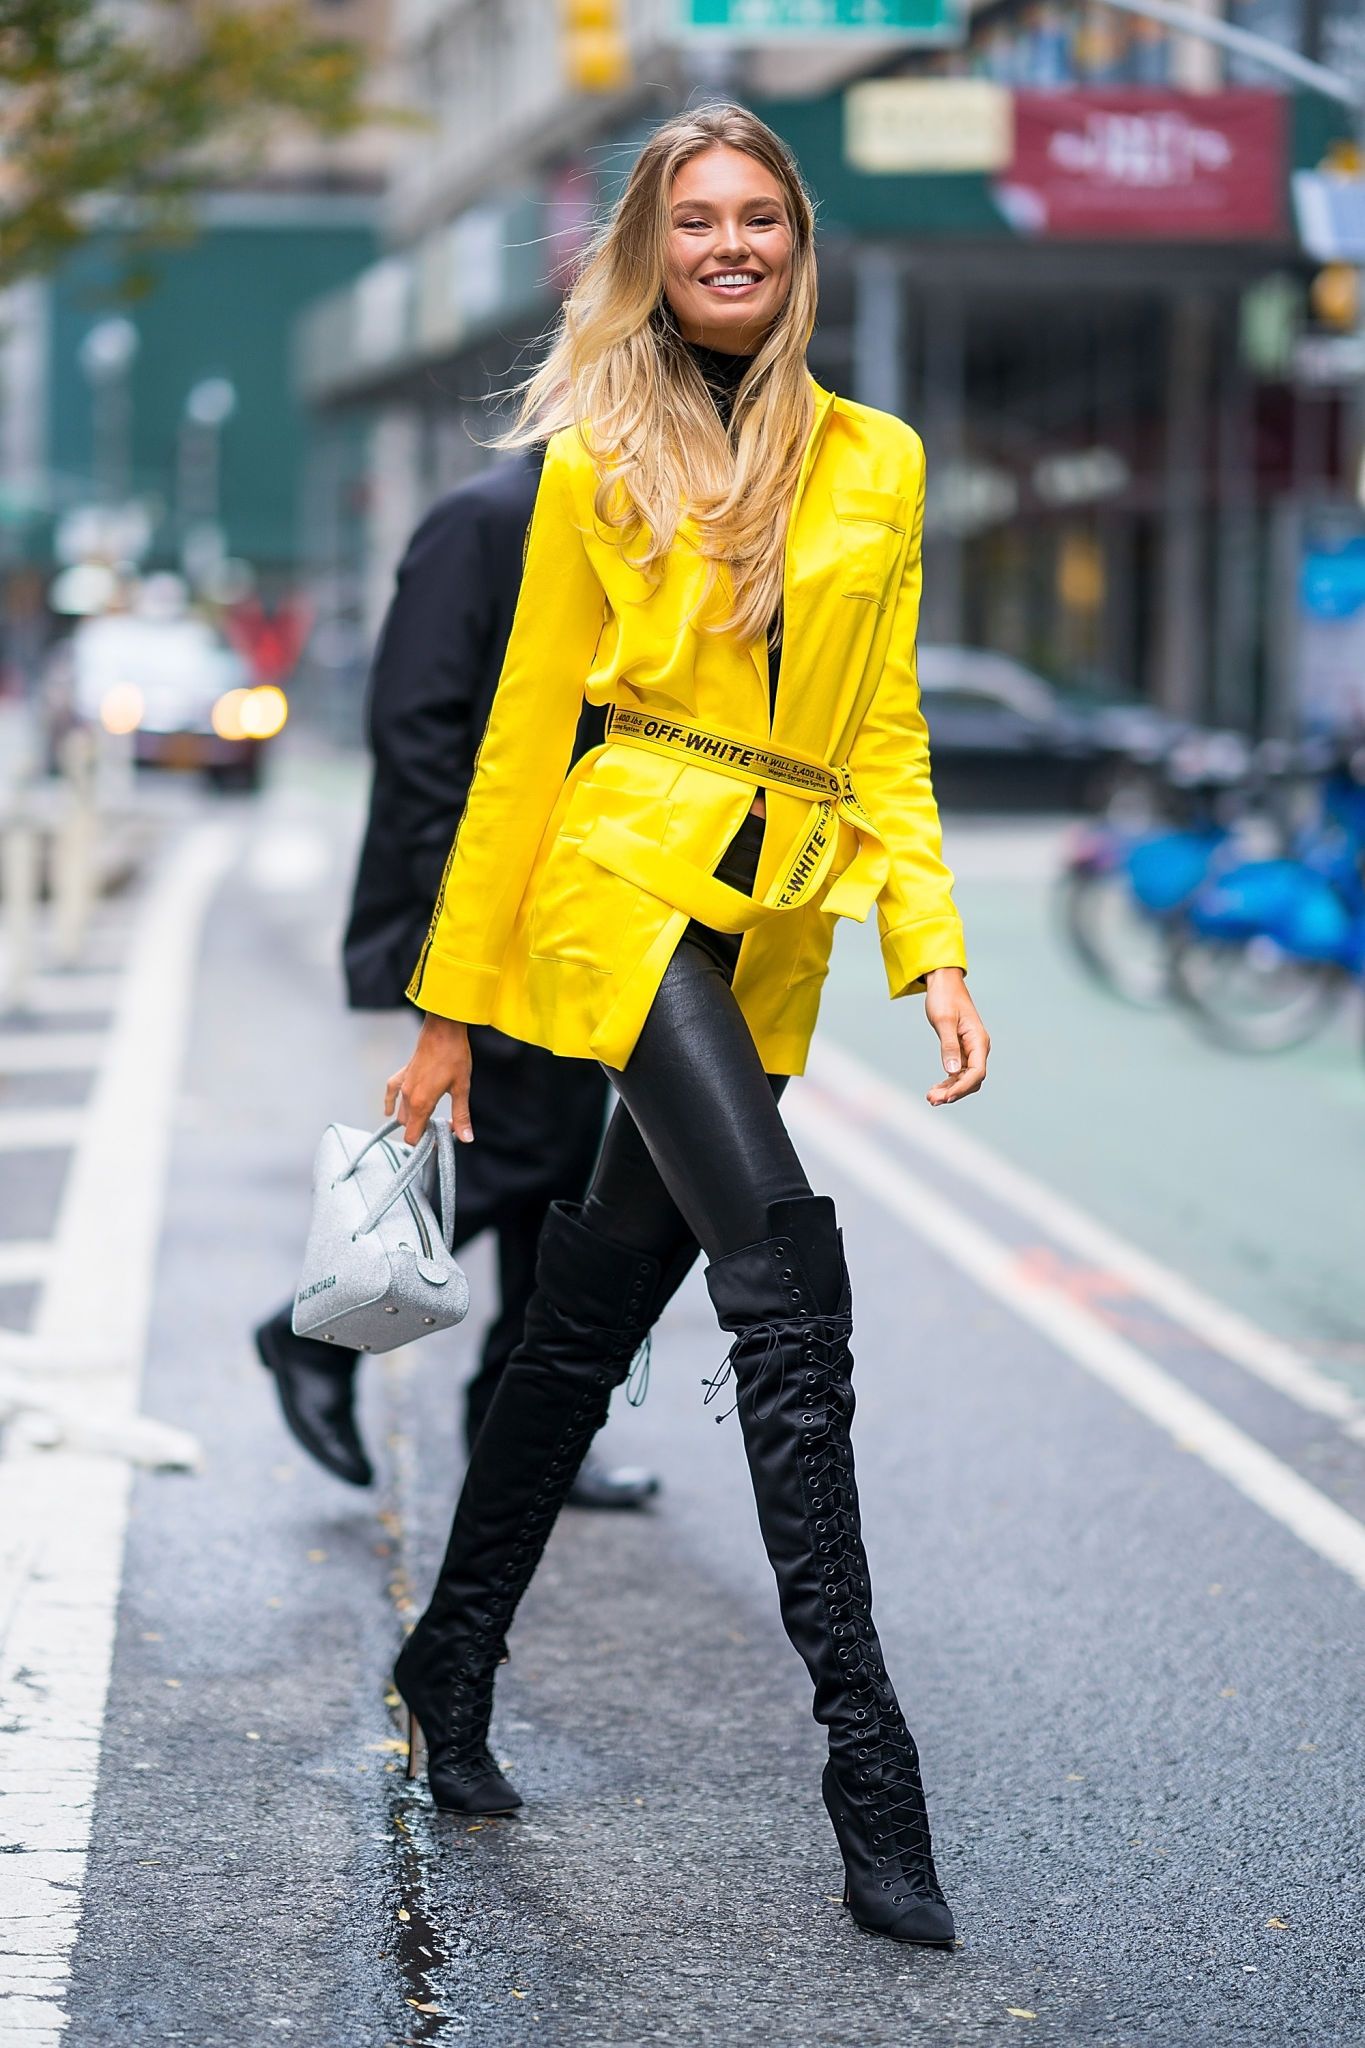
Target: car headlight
x: 121, y: 708
x: 251, y: 714
x: 264, y: 712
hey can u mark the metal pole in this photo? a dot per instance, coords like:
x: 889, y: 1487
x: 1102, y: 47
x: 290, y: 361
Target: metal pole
x: 878, y: 330
x: 74, y: 850
x: 1333, y: 85
x: 19, y: 882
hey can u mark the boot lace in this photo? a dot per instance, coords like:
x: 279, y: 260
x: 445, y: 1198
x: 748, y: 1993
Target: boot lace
x: 884, y: 1764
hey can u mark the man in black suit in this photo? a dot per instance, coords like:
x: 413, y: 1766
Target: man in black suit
x: 539, y: 1118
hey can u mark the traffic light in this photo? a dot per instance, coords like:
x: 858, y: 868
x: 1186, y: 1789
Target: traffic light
x: 1334, y: 295
x: 596, y: 54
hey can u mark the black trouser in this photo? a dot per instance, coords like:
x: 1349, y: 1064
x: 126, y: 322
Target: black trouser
x: 696, y: 1148
x: 539, y: 1125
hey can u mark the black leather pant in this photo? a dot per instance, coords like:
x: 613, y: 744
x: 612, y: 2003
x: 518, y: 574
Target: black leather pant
x: 696, y: 1149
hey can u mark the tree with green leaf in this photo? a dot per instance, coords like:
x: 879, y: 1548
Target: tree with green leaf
x: 145, y: 104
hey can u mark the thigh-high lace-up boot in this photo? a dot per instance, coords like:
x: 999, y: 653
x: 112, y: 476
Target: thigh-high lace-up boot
x: 788, y: 1302
x: 594, y: 1304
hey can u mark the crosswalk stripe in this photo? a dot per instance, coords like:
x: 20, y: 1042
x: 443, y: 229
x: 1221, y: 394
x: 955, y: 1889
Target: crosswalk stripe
x: 39, y: 1130
x: 24, y: 1259
x: 50, y: 1052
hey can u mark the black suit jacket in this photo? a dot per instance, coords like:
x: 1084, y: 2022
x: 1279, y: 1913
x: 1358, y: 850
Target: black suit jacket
x: 431, y: 689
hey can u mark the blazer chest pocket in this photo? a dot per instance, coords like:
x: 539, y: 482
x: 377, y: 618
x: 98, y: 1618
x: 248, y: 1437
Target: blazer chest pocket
x: 871, y: 534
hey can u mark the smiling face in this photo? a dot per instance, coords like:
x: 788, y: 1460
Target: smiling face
x: 729, y: 262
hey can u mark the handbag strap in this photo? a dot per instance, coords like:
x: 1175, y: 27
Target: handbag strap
x: 436, y: 1137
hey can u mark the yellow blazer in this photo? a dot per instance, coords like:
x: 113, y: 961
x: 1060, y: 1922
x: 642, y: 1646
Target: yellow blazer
x: 565, y: 894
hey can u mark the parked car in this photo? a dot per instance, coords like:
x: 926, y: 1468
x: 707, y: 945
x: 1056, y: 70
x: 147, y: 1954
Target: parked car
x: 173, y: 684
x: 1005, y: 738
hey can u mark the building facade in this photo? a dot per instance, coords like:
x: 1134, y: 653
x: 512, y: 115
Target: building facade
x: 1062, y: 244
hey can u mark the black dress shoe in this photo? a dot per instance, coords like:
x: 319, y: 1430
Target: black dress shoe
x: 611, y: 1486
x: 316, y: 1386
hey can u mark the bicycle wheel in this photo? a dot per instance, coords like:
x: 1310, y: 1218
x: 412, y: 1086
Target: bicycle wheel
x: 1119, y: 944
x: 1249, y: 995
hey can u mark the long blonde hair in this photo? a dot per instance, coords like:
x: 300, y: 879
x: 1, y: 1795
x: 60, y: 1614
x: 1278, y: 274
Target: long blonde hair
x: 619, y: 370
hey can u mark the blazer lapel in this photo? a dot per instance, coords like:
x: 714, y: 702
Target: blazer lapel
x: 758, y: 649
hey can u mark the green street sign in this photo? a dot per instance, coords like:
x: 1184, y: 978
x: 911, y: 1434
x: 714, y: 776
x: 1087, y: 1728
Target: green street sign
x: 757, y: 21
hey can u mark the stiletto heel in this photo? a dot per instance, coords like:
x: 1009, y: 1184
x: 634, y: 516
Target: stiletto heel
x: 463, y: 1776
x: 417, y: 1748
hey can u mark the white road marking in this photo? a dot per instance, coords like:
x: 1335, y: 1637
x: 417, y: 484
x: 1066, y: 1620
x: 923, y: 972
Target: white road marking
x: 288, y: 859
x: 1192, y: 1423
x: 24, y: 1259
x: 39, y: 1130
x: 1234, y: 1336
x: 49, y: 1052
x: 62, y: 1516
x: 53, y: 995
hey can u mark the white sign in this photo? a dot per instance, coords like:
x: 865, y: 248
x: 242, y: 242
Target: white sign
x: 928, y: 124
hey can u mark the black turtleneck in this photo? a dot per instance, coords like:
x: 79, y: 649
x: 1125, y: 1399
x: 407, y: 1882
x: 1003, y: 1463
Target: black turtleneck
x: 723, y: 374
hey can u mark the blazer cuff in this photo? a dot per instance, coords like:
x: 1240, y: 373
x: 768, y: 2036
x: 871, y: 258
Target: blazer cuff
x: 454, y: 988
x: 912, y: 950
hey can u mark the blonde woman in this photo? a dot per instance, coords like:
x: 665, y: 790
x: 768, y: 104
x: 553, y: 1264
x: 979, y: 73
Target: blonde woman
x: 706, y: 513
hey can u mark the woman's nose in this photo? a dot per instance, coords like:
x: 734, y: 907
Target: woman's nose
x: 731, y: 241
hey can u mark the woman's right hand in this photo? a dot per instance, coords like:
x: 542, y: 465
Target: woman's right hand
x: 441, y: 1064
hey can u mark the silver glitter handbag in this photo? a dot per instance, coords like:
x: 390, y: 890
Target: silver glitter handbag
x: 378, y: 1269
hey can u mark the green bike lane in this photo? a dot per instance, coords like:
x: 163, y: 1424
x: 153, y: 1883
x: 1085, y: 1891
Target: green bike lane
x: 1241, y: 1175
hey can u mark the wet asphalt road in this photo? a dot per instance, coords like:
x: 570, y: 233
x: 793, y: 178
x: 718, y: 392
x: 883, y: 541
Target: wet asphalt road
x: 1138, y: 1697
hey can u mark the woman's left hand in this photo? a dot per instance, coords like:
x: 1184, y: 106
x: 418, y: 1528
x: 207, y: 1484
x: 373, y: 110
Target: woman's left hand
x: 963, y: 1038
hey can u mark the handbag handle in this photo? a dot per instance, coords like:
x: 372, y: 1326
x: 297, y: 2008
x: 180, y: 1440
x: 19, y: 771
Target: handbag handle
x: 436, y: 1137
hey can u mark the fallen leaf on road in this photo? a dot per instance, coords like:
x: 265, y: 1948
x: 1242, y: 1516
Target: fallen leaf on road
x: 1075, y: 1777
x: 149, y: 1635
x: 518, y: 1994
x: 317, y: 1557
x: 252, y: 1736
x: 173, y: 1682
x: 403, y: 1913
x: 1020, y: 2012
x: 1283, y: 1925
x: 1229, y: 1692
x: 417, y: 2007
x: 390, y: 1744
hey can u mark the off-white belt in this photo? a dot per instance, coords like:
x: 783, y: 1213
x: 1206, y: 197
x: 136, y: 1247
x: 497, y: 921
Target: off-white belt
x: 681, y: 882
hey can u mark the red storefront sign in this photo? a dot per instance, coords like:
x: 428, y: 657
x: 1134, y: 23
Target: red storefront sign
x: 1164, y: 165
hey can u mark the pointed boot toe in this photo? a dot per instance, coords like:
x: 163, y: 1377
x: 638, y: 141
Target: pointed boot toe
x: 477, y: 1788
x: 900, y: 1916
